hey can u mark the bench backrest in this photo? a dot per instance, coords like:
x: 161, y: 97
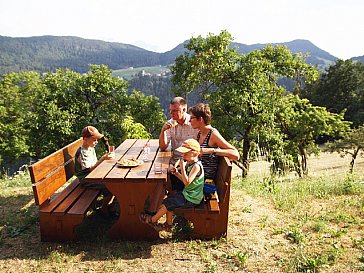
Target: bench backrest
x: 53, y: 171
x: 223, y: 179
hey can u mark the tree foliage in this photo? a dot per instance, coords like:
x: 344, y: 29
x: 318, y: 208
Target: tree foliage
x: 242, y: 90
x: 302, y: 124
x: 351, y: 144
x: 39, y: 114
x: 340, y: 88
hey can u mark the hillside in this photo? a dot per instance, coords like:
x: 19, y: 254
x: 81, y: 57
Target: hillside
x: 47, y: 53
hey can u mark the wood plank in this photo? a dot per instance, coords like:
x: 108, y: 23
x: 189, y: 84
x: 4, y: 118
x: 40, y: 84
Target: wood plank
x: 84, y: 202
x: 43, y: 167
x: 223, y: 177
x: 44, y: 189
x: 119, y: 173
x: 161, y: 157
x: 101, y: 171
x: 50, y: 206
x: 69, y: 201
x: 213, y: 204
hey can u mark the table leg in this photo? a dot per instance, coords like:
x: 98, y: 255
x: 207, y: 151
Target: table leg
x: 131, y: 198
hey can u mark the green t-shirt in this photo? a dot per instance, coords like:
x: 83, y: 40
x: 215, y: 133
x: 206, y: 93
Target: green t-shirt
x: 193, y: 192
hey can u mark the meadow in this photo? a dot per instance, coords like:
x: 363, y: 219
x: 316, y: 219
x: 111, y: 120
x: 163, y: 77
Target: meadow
x: 276, y: 224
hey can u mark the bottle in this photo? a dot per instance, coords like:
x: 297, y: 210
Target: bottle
x: 146, y: 152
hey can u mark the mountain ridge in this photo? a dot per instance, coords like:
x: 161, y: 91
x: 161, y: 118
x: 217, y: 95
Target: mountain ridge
x: 47, y: 53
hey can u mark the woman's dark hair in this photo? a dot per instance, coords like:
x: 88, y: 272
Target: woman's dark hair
x: 201, y: 110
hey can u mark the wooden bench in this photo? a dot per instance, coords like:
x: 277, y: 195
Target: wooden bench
x: 60, y: 211
x: 210, y: 218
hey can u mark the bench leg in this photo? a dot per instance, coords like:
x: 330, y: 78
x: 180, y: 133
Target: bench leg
x: 205, y: 226
x: 59, y: 228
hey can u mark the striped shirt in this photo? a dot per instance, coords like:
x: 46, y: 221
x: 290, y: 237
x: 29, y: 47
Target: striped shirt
x: 209, y: 161
x: 178, y: 134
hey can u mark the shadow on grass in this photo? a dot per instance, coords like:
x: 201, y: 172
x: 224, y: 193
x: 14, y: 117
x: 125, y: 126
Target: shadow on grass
x: 20, y: 237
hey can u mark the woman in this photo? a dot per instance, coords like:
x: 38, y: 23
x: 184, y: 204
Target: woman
x: 211, y: 141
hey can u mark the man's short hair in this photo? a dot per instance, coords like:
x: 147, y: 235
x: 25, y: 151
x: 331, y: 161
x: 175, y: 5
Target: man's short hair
x: 178, y: 100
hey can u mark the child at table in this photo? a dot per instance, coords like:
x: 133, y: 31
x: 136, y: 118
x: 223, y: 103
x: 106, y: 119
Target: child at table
x: 192, y: 176
x: 86, y: 161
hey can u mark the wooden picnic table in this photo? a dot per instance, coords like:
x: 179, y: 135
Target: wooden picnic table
x: 131, y: 186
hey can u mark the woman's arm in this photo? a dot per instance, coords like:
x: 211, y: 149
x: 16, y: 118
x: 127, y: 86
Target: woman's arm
x: 224, y: 147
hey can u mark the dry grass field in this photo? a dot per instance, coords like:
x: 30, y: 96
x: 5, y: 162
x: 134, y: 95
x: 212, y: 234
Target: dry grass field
x: 286, y: 224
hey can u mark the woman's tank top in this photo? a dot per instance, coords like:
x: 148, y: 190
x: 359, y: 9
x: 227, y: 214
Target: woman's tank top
x: 209, y: 161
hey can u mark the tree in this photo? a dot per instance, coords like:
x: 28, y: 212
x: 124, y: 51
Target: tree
x: 147, y: 111
x: 41, y: 113
x: 242, y: 90
x: 340, y: 88
x: 351, y: 144
x: 302, y: 123
x: 17, y: 94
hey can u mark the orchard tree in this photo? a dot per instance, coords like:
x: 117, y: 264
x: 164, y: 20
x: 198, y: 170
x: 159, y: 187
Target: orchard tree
x: 242, y: 90
x: 351, y: 144
x: 302, y: 124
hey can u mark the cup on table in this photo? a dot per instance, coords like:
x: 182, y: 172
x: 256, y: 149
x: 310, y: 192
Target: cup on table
x: 111, y: 151
x: 158, y: 168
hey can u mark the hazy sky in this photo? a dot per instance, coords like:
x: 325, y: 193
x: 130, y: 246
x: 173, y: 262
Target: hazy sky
x: 336, y: 26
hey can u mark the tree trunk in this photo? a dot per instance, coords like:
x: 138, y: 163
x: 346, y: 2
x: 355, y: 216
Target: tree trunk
x: 303, y: 154
x: 352, y: 162
x: 245, y: 157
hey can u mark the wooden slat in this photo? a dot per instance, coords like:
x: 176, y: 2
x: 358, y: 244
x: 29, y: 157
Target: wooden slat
x: 45, y: 188
x: 101, y: 171
x: 49, y: 207
x: 43, y: 167
x: 213, y: 204
x: 223, y: 177
x: 161, y: 157
x: 139, y: 173
x: 69, y: 201
x: 119, y: 173
x: 84, y: 202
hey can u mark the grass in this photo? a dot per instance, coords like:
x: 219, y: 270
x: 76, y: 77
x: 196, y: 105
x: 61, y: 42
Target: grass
x: 276, y: 224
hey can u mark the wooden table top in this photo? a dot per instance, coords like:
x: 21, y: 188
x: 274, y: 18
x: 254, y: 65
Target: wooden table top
x: 109, y: 171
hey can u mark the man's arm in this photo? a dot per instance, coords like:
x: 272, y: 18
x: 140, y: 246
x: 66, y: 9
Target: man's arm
x: 163, y: 138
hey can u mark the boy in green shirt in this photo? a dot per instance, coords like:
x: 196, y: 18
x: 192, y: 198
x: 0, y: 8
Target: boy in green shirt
x: 192, y: 176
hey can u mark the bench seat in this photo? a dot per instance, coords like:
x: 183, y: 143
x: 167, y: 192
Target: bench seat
x: 210, y: 217
x: 60, y: 211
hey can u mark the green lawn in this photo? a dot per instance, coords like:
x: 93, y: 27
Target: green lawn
x: 282, y: 224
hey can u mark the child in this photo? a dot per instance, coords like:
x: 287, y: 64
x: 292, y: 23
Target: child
x: 86, y: 161
x: 192, y: 176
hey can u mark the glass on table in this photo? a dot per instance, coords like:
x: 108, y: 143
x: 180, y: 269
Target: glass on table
x: 111, y: 151
x: 158, y: 168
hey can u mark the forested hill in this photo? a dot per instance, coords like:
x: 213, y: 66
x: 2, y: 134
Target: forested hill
x: 47, y: 53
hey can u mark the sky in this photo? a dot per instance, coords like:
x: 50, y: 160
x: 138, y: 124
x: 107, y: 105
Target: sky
x: 336, y: 26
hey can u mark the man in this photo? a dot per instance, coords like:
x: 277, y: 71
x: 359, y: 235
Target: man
x: 175, y: 131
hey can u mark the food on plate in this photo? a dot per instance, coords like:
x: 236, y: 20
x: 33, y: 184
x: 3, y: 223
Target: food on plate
x: 129, y: 162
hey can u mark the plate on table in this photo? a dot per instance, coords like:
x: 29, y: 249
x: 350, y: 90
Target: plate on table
x: 129, y: 163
